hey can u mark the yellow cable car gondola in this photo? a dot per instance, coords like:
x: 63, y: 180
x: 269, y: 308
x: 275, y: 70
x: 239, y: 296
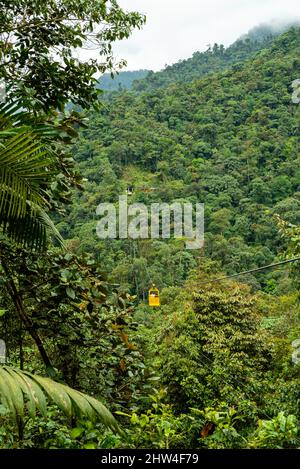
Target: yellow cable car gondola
x: 153, y: 296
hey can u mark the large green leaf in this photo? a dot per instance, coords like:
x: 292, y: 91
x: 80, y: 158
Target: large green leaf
x: 22, y: 392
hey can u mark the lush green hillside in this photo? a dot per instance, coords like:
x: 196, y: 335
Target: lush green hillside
x: 215, y: 58
x: 230, y: 140
x: 216, y: 363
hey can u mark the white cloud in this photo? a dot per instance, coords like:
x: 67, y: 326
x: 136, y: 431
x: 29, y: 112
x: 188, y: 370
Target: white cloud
x: 176, y: 28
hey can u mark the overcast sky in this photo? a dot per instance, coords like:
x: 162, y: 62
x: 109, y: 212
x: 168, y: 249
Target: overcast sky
x: 177, y: 28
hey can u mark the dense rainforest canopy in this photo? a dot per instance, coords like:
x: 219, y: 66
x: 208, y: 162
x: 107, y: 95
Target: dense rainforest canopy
x: 229, y: 140
x: 216, y: 365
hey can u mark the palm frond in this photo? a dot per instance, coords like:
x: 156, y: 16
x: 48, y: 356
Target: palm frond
x: 23, y: 393
x: 34, y: 231
x: 26, y: 171
x: 14, y: 117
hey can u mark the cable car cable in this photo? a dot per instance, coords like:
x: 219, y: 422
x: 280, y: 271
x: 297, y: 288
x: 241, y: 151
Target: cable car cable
x: 258, y: 269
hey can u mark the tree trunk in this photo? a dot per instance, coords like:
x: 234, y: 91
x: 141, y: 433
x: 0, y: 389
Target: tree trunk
x: 17, y: 300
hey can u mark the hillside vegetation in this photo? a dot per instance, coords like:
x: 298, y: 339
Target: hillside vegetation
x: 229, y: 140
x: 85, y: 361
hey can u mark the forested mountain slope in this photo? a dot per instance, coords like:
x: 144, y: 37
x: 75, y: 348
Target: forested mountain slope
x: 216, y: 58
x: 215, y: 363
x: 229, y: 140
x: 88, y: 359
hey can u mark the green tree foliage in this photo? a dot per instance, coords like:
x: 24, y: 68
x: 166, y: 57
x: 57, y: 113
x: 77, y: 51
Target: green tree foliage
x: 215, y: 366
x: 214, y: 59
x: 279, y: 433
x: 38, y: 64
x: 85, y: 322
x: 38, y: 48
x: 229, y: 140
x: 214, y: 350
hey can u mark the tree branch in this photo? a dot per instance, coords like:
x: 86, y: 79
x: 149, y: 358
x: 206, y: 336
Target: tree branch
x: 17, y: 301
